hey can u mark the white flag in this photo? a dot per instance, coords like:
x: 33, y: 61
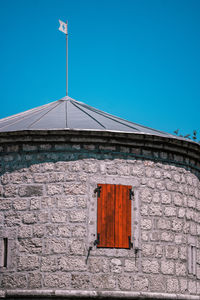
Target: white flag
x: 63, y: 26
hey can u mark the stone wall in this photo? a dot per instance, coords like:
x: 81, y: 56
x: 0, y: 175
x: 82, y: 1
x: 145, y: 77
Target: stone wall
x: 48, y: 213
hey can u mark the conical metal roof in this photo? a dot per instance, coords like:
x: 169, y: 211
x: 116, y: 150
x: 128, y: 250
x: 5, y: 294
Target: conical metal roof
x: 68, y: 113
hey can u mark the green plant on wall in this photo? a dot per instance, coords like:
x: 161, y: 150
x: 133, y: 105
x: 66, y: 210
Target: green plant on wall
x: 194, y: 136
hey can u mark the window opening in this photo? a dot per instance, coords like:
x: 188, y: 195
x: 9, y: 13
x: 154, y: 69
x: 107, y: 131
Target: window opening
x: 5, y: 252
x: 114, y: 216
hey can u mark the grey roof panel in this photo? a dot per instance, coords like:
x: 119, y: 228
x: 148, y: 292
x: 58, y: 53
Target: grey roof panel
x: 68, y: 113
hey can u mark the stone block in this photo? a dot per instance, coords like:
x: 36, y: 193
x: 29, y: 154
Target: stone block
x: 150, y: 266
x: 183, y: 284
x: 30, y: 245
x: 35, y: 204
x: 165, y: 198
x: 170, y: 211
x: 48, y: 202
x: 41, y: 178
x: 80, y: 281
x: 146, y: 196
x: 76, y: 247
x: 99, y: 264
x: 177, y: 225
x: 10, y: 191
x: 157, y: 283
x: 103, y: 281
x: 66, y: 202
x: 31, y: 190
x: 77, y: 216
x: 28, y: 263
x: 130, y: 266
x: 43, y: 216
x: 172, y: 285
x: 24, y: 231
x: 34, y: 280
x: 146, y: 224
x: 49, y: 264
x: 20, y: 204
x: 148, y: 250
x: 55, y: 246
x: 163, y: 223
x: 13, y: 280
x: 78, y: 231
x: 82, y: 201
x: 181, y: 212
x: 64, y: 230
x: 158, y: 251
x: 29, y: 218
x: 39, y: 231
x: 167, y: 267
x: 156, y: 197
x: 171, y: 252
x: 12, y: 219
x: 167, y: 236
x: 124, y: 282
x: 54, y: 189
x: 178, y: 199
x: 183, y: 253
x: 67, y: 263
x: 181, y: 269
x: 192, y: 287
x: 75, y: 189
x: 57, y: 280
x: 140, y: 284
x: 5, y: 204
x: 155, y: 210
x: 58, y: 216
x: 116, y: 265
x: 29, y: 147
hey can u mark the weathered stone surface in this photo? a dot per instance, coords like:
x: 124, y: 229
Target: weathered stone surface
x: 72, y: 263
x: 57, y: 280
x: 116, y: 265
x: 34, y: 280
x: 30, y: 190
x: 167, y: 267
x: 14, y: 281
x: 80, y: 281
x: 28, y: 263
x: 172, y: 285
x: 49, y: 263
x: 171, y: 252
x: 99, y: 264
x: 150, y: 266
x: 140, y: 284
x: 77, y: 216
x: 103, y: 281
x: 48, y: 209
x: 124, y: 282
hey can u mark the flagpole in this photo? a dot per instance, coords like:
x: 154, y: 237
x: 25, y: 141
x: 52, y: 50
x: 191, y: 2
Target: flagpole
x: 67, y: 62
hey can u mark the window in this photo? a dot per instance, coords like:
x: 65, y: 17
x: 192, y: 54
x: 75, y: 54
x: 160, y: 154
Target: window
x: 114, y: 216
x: 192, y: 259
x: 3, y: 252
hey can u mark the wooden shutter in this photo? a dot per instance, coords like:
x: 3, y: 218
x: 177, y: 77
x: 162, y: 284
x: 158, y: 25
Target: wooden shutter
x: 106, y: 215
x: 114, y: 216
x: 122, y: 216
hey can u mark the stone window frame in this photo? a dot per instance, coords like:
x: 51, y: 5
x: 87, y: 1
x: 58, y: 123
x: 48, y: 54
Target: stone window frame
x: 92, y: 209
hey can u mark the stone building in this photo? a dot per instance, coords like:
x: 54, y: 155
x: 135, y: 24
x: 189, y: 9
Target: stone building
x: 93, y: 206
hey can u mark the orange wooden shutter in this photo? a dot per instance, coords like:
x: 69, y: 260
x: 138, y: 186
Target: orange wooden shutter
x: 106, y: 215
x: 122, y: 216
x: 114, y: 216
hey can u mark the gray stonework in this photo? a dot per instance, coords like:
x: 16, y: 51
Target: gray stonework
x: 48, y: 212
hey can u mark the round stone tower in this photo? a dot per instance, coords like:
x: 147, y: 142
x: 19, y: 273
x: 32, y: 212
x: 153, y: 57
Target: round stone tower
x: 94, y: 206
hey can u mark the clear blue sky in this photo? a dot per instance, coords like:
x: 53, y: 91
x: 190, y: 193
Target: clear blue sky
x: 138, y: 59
